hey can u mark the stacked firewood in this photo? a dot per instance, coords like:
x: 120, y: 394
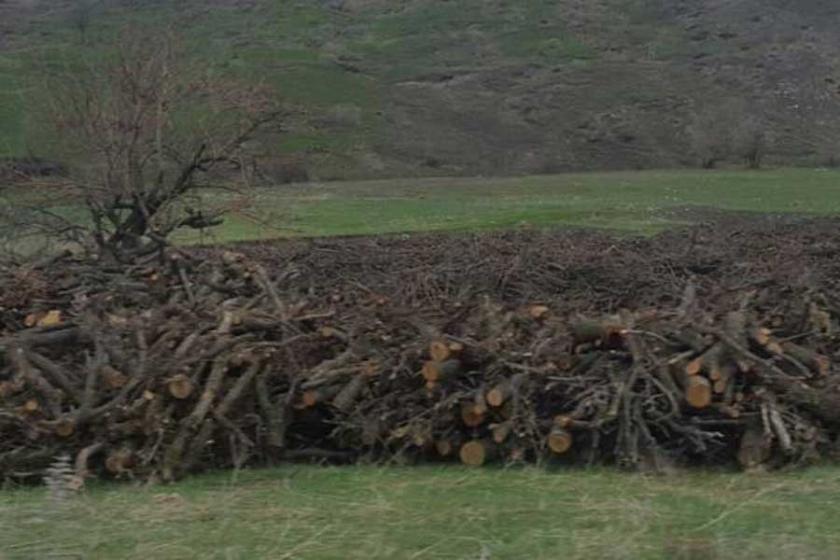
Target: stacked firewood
x: 154, y: 372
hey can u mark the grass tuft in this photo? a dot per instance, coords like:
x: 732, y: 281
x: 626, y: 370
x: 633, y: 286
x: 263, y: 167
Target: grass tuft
x: 439, y: 513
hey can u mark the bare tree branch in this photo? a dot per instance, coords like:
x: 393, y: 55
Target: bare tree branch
x: 151, y: 132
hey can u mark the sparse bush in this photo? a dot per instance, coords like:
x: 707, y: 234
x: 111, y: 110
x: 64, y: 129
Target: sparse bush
x: 751, y: 141
x: 711, y: 140
x: 726, y: 131
x: 152, y: 132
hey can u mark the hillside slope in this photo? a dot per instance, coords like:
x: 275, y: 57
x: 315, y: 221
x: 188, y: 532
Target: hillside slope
x: 435, y: 87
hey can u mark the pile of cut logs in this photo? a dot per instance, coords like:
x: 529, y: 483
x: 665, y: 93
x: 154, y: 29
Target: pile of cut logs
x: 154, y: 372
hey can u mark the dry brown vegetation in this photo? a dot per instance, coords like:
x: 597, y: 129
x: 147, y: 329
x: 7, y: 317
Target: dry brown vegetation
x: 708, y: 345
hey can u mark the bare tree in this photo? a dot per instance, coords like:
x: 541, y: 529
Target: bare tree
x: 751, y: 140
x: 711, y: 137
x: 151, y: 133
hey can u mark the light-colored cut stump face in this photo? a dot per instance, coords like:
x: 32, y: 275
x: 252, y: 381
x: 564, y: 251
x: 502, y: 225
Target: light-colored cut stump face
x: 473, y: 454
x: 438, y: 371
x: 51, y: 319
x: 563, y: 421
x: 31, y: 406
x: 65, y: 428
x: 310, y: 398
x: 456, y: 347
x: 439, y: 351
x: 431, y: 372
x: 538, y: 311
x: 762, y: 336
x: 559, y: 441
x: 472, y: 415
x: 496, y: 396
x: 698, y: 392
x: 694, y: 366
x: 180, y: 386
x: 444, y: 447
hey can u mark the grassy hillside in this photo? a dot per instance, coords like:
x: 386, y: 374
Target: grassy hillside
x: 479, y: 86
x: 436, y: 513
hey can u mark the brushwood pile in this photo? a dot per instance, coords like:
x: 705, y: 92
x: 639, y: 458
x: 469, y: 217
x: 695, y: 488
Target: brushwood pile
x: 712, y: 345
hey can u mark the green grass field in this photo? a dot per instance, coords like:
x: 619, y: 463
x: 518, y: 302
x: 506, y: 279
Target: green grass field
x: 635, y: 202
x: 630, y: 202
x: 436, y: 513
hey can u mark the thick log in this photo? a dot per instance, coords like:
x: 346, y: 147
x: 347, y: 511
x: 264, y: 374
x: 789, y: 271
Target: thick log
x: 443, y: 350
x: 762, y: 336
x: 180, y: 386
x: 819, y: 363
x: 476, y: 453
x: 497, y: 396
x: 81, y: 464
x: 437, y: 372
x: 698, y: 391
x: 276, y: 412
x: 173, y: 457
x: 725, y: 384
x: 219, y: 415
x: 65, y: 427
x: 473, y: 414
x: 538, y: 312
x: 559, y: 440
x: 604, y: 332
x: 26, y: 372
x: 708, y: 361
x: 347, y: 396
x: 57, y: 374
x: 169, y: 375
